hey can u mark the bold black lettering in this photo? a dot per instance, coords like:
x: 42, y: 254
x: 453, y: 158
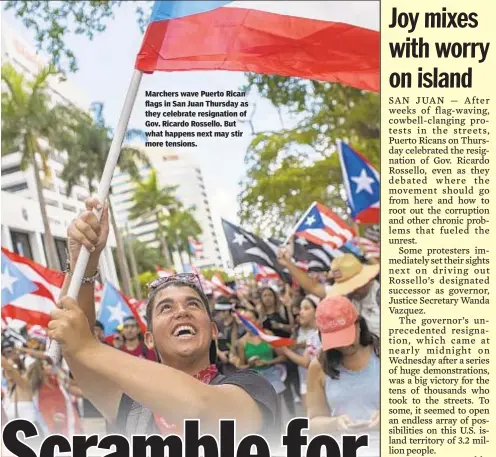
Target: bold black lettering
x: 11, y: 442
x: 121, y: 444
x: 351, y: 443
x: 82, y: 443
x: 293, y: 440
x: 227, y: 438
x: 194, y: 441
x: 244, y: 448
x: 157, y: 445
x: 331, y: 445
x: 54, y: 441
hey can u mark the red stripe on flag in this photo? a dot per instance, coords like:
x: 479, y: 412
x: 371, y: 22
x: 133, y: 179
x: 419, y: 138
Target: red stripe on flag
x: 239, y: 39
x: 25, y: 315
x: 56, y: 278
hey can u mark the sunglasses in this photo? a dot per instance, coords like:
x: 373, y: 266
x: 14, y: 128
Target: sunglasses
x: 190, y: 278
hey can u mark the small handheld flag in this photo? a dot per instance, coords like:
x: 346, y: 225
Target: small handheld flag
x: 274, y: 341
x: 362, y: 184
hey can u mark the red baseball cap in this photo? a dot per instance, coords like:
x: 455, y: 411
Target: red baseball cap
x: 336, y: 318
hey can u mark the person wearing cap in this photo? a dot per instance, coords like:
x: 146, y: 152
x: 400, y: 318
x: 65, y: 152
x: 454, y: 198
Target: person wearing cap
x: 141, y: 397
x: 229, y: 333
x: 350, y: 278
x: 132, y: 342
x: 344, y: 380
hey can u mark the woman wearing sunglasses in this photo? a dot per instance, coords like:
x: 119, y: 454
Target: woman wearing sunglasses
x: 185, y: 384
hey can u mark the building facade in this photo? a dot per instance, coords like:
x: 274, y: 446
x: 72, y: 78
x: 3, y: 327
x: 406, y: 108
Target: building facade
x: 22, y: 228
x: 173, y: 169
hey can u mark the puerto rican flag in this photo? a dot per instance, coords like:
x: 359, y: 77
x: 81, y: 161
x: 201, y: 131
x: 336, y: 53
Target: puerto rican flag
x: 321, y: 226
x: 29, y: 290
x: 262, y: 272
x: 336, y: 41
x: 220, y: 285
x: 362, y: 184
x: 274, y: 341
x: 195, y: 247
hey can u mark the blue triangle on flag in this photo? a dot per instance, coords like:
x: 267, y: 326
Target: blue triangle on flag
x: 113, y: 309
x: 14, y: 283
x: 362, y: 180
x: 313, y: 220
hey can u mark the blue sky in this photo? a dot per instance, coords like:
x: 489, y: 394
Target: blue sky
x: 105, y: 68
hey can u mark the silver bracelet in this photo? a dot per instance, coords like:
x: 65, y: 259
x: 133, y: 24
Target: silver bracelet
x: 86, y: 279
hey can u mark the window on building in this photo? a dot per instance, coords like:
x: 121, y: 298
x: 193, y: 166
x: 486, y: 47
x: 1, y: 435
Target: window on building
x: 70, y: 208
x: 10, y: 170
x: 15, y: 187
x: 21, y: 244
x: 51, y: 202
x: 61, y: 246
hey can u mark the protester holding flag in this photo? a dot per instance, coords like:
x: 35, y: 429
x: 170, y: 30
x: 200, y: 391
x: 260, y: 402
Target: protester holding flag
x: 181, y: 332
x: 18, y: 399
x: 278, y: 319
x: 344, y: 381
x: 350, y: 277
x: 308, y: 342
x: 259, y: 355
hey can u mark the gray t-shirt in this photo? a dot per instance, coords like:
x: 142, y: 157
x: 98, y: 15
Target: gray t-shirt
x: 133, y: 418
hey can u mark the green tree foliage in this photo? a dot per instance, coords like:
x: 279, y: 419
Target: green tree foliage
x: 150, y: 200
x: 178, y: 226
x: 52, y: 22
x: 30, y: 123
x: 291, y: 168
x: 147, y: 258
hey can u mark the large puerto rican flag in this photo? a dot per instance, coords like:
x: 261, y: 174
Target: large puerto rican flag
x: 274, y: 341
x: 336, y: 41
x: 29, y: 290
x: 362, y: 183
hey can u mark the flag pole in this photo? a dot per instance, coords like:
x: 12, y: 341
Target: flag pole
x: 54, y: 350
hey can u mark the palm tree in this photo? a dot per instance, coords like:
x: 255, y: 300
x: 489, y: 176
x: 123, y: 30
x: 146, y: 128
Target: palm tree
x: 29, y: 123
x: 88, y: 139
x: 181, y: 225
x: 150, y: 200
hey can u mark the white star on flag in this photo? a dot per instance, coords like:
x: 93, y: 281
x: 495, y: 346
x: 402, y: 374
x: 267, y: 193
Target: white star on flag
x: 363, y: 182
x: 117, y: 313
x: 8, y: 281
x: 310, y: 220
x: 239, y: 239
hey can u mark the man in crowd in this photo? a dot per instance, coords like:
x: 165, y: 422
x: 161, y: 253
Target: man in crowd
x: 133, y: 344
x: 350, y: 278
x: 99, y: 331
x: 185, y: 384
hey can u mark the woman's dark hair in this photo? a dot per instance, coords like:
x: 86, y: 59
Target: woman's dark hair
x: 36, y: 375
x: 331, y: 359
x: 277, y: 303
x: 311, y: 300
x: 179, y: 283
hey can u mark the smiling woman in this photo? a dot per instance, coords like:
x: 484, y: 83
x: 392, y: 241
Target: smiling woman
x: 142, y: 397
